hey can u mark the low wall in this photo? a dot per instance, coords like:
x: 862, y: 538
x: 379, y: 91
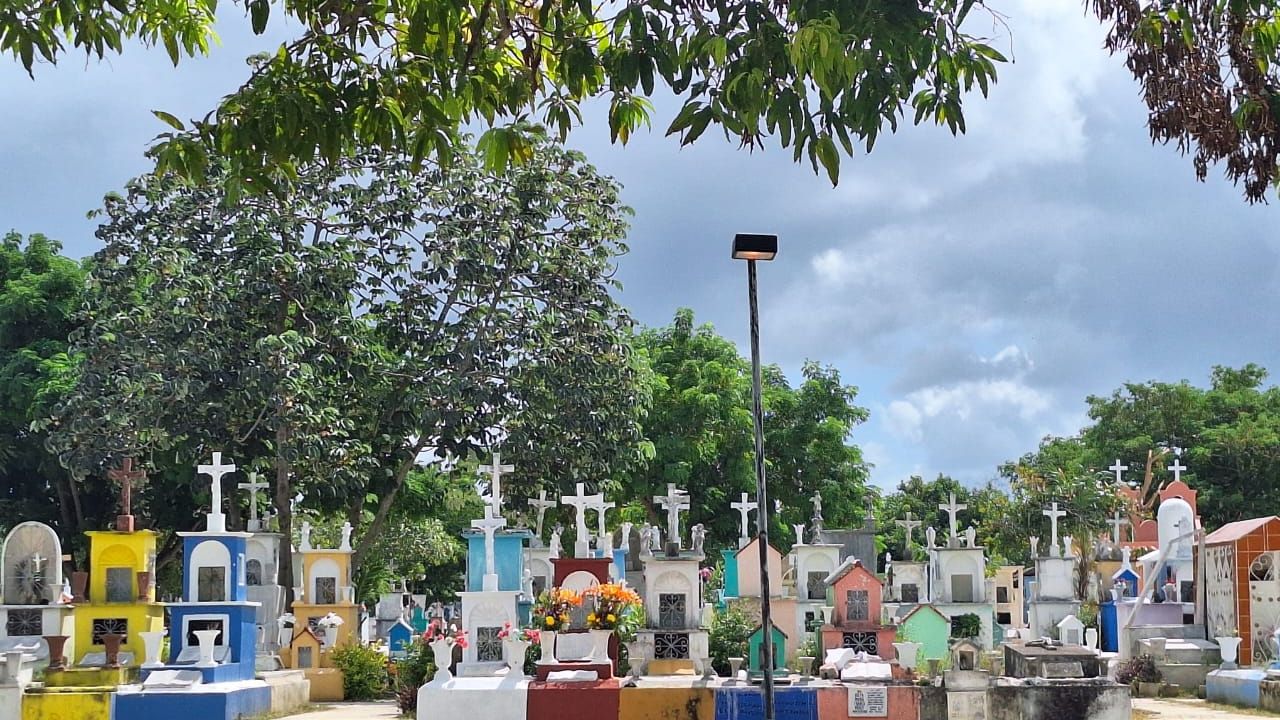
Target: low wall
x: 1077, y: 701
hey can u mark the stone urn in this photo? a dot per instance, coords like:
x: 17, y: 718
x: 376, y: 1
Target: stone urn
x: 56, y: 644
x: 144, y: 586
x: 207, y: 640
x: 600, y: 645
x: 1170, y: 593
x: 442, y: 650
x: 735, y: 667
x: 1230, y: 648
x: 151, y: 642
x: 635, y: 657
x: 806, y: 666
x: 514, y: 647
x: 13, y: 666
x: 907, y: 653
x: 1091, y: 638
x: 79, y: 586
x: 826, y: 615
x: 111, y: 643
x: 547, y: 646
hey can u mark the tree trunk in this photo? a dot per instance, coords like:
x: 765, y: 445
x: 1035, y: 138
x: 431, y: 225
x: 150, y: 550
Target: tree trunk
x: 370, y: 534
x: 284, y: 511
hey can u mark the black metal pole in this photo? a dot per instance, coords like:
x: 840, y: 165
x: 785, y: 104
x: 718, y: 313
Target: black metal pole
x: 762, y: 498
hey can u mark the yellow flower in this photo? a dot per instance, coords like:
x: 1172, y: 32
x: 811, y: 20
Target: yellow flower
x: 550, y: 621
x: 611, y: 617
x: 591, y: 617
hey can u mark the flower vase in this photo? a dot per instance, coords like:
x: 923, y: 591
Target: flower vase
x: 1229, y: 647
x: 600, y: 645
x: 442, y: 649
x: 515, y: 649
x: 547, y: 644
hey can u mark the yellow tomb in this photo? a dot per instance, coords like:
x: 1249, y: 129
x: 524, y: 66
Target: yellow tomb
x: 121, y: 596
x: 325, y: 590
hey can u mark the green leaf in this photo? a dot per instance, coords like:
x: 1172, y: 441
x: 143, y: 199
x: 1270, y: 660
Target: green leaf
x: 259, y: 11
x: 829, y: 157
x: 172, y: 121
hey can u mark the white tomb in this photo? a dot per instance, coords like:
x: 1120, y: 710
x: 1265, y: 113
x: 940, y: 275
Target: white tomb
x: 1054, y: 596
x: 33, y: 590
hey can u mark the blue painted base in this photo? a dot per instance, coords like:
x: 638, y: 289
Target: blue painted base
x: 230, y: 672
x: 246, y: 699
x: 1235, y: 687
x: 747, y: 703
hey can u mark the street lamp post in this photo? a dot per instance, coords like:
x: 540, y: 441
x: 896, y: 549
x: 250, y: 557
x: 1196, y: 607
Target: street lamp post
x: 752, y: 247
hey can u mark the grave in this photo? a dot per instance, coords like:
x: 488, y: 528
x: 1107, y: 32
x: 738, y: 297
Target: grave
x: 855, y: 623
x: 1050, y: 660
x: 957, y: 575
x: 262, y: 576
x: 812, y: 564
x: 674, y: 637
x: 36, y: 597
x: 325, y: 614
x: 1054, y: 596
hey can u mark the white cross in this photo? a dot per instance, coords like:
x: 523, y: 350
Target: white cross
x: 743, y: 507
x: 1116, y: 522
x: 674, y: 501
x: 489, y: 525
x: 599, y: 505
x: 37, y: 562
x: 1119, y: 469
x: 253, y: 486
x: 1177, y: 467
x: 1053, y: 516
x: 579, y: 504
x: 542, y: 504
x: 217, y: 522
x: 953, y: 509
x: 909, y: 524
x: 496, y: 470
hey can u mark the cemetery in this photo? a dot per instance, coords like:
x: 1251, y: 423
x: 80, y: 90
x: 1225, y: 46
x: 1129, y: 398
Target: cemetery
x: 621, y: 624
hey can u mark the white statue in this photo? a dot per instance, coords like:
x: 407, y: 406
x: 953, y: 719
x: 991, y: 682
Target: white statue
x: 1034, y: 542
x: 799, y: 533
x: 306, y: 536
x: 646, y: 539
x: 655, y: 538
x: 1066, y: 546
x: 624, y: 535
x: 697, y: 534
x: 526, y: 584
x: 971, y: 537
x: 555, y: 541
x: 346, y: 536
x: 931, y: 537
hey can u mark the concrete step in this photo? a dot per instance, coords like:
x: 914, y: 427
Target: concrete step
x: 1179, y: 651
x: 1186, y: 676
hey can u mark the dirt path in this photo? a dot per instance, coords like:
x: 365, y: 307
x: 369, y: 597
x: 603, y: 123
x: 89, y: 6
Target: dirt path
x: 1180, y: 709
x: 352, y: 711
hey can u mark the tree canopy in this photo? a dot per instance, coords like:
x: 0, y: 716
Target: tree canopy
x: 1210, y: 74
x: 819, y: 76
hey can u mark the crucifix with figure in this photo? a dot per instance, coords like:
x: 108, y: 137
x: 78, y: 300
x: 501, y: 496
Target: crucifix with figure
x: 579, y: 502
x: 126, y: 476
x: 953, y: 510
x: 489, y: 525
x: 909, y: 524
x: 542, y: 505
x: 496, y: 470
x: 1053, y: 514
x: 253, y: 486
x: 216, y: 521
x: 674, y: 501
x: 744, y: 507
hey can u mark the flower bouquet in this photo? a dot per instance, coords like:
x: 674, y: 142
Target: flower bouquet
x: 613, y: 602
x: 551, y: 612
x: 442, y: 639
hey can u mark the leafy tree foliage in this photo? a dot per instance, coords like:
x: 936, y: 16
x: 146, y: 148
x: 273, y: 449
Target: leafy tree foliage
x: 819, y: 76
x: 1210, y: 73
x: 40, y: 292
x: 336, y: 334
x: 699, y: 426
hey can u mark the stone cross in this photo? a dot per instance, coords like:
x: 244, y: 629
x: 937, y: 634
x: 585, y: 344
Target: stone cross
x: 217, y: 522
x: 543, y: 505
x: 674, y: 501
x: 1177, y: 467
x: 579, y: 502
x: 253, y: 486
x: 1053, y: 515
x: 496, y: 470
x: 1116, y: 522
x: 743, y: 507
x: 125, y: 475
x: 909, y: 524
x: 489, y: 525
x: 1119, y: 469
x: 953, y: 509
x: 600, y: 506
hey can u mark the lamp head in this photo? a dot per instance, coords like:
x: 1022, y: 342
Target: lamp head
x: 751, y: 246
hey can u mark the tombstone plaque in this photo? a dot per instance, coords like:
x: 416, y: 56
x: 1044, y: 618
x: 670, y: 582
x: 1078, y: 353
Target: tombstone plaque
x: 869, y: 701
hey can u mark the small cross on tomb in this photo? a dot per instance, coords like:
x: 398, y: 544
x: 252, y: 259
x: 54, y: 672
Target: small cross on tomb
x: 495, y: 471
x: 674, y: 501
x: 1053, y: 515
x: 253, y: 486
x: 1116, y: 522
x: 216, y: 521
x: 1119, y: 469
x: 126, y: 476
x: 909, y: 524
x: 542, y: 505
x: 1177, y: 467
x: 744, y: 507
x: 953, y: 509
x: 579, y: 502
x: 600, y: 506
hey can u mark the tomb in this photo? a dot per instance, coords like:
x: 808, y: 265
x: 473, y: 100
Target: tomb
x: 1037, y: 659
x: 324, y: 606
x: 1242, y: 586
x: 262, y: 576
x: 756, y: 657
x: 673, y: 634
x: 1010, y: 609
x: 923, y: 624
x: 957, y: 577
x: 811, y: 565
x: 856, y: 620
x: 35, y: 596
x: 1054, y: 595
x: 782, y: 605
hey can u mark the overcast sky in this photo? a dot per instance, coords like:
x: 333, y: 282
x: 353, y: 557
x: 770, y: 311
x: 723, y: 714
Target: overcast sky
x: 975, y: 289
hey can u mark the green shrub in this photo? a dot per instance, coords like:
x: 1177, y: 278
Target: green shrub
x: 364, y: 671
x: 410, y: 672
x: 730, y: 629
x: 1088, y: 614
x: 967, y: 625
x: 1141, y: 668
